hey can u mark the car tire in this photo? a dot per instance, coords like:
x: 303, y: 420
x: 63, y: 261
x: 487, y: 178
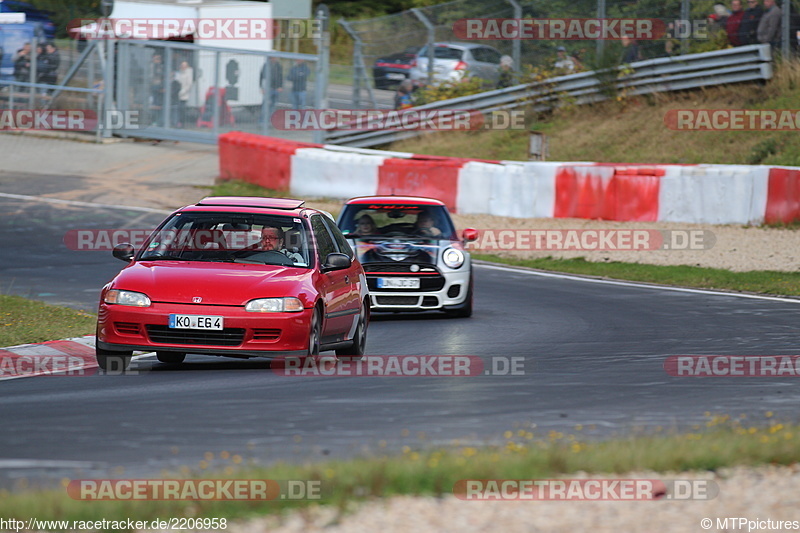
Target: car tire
x: 314, y: 334
x: 171, y: 358
x: 466, y: 311
x: 113, y: 361
x: 358, y: 348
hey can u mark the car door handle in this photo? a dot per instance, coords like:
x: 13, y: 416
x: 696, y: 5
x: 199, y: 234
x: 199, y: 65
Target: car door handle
x: 347, y: 279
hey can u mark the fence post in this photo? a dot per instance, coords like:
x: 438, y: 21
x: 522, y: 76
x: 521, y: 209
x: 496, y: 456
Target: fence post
x: 266, y: 103
x: 33, y: 74
x: 601, y: 14
x: 215, y: 100
x: 685, y: 20
x: 108, y: 85
x: 323, y: 58
x: 431, y: 39
x: 785, y: 29
x: 166, y: 110
x: 516, y: 44
x: 356, y: 61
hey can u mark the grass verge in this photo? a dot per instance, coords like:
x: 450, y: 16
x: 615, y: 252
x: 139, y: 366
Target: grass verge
x: 23, y: 321
x: 724, y: 442
x: 756, y: 281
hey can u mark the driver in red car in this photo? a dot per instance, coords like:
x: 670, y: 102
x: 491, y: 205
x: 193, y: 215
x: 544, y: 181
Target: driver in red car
x: 272, y: 240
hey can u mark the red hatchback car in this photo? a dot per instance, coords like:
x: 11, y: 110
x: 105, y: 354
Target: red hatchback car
x: 236, y: 276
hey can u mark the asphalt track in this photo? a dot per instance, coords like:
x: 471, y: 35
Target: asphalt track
x: 593, y: 353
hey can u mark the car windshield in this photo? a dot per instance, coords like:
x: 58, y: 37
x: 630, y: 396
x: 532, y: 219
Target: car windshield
x: 405, y: 221
x: 231, y: 238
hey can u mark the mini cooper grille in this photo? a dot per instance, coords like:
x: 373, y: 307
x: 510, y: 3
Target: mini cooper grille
x: 397, y: 300
x: 127, y: 328
x: 225, y: 337
x: 266, y: 334
x: 400, y: 268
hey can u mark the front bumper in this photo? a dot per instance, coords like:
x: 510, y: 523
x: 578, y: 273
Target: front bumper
x: 245, y: 334
x: 417, y: 300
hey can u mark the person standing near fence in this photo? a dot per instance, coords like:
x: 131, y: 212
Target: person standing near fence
x: 22, y: 63
x: 734, y: 22
x: 157, y: 81
x: 749, y: 25
x: 275, y: 82
x: 53, y: 61
x: 298, y: 75
x: 185, y: 77
x: 769, y: 27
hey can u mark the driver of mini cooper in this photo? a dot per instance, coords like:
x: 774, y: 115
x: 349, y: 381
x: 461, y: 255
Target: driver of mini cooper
x: 425, y: 227
x: 272, y: 240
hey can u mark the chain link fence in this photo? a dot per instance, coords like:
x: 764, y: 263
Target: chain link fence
x: 386, y: 47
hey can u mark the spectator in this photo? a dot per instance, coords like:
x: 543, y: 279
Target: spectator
x: 769, y: 27
x: 185, y: 79
x: 298, y: 75
x: 630, y: 52
x: 506, y: 78
x: 275, y: 82
x: 53, y: 60
x: 564, y: 62
x: 22, y: 63
x: 157, y: 81
x: 720, y: 17
x: 402, y: 98
x: 734, y: 22
x: 748, y: 28
x: 669, y: 49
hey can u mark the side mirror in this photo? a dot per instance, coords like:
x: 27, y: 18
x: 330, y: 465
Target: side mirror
x: 124, y: 252
x: 336, y: 262
x: 470, y: 234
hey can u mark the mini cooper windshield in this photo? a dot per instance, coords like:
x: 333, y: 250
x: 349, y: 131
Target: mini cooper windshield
x: 232, y: 238
x: 404, y: 221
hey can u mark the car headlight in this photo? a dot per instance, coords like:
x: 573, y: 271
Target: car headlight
x: 453, y: 258
x: 274, y: 305
x: 133, y: 299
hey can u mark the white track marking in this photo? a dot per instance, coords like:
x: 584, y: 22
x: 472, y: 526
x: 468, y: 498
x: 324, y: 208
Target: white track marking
x: 82, y: 204
x: 523, y: 270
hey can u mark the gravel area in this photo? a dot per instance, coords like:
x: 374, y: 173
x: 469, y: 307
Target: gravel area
x: 764, y: 493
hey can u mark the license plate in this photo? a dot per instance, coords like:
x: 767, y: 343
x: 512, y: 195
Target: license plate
x: 395, y: 76
x: 195, y: 322
x: 398, y: 283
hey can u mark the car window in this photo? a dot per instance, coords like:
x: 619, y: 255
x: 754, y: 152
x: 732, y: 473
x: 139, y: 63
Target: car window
x: 442, y: 52
x: 398, y: 221
x: 341, y: 242
x: 325, y: 243
x: 491, y: 56
x: 479, y: 54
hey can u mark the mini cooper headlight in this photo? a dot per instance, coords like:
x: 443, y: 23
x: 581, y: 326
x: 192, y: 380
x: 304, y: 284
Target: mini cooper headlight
x: 453, y: 258
x: 274, y: 305
x: 133, y: 299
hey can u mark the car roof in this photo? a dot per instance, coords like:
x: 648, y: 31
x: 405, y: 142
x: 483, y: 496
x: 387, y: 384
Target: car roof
x: 455, y: 44
x: 251, y: 204
x: 388, y: 200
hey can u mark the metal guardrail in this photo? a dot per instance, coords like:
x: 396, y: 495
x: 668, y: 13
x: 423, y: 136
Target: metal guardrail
x: 720, y: 67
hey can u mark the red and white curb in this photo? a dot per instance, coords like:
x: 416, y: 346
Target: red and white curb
x: 66, y: 357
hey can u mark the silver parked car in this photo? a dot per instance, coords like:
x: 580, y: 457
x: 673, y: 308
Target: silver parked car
x: 454, y: 62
